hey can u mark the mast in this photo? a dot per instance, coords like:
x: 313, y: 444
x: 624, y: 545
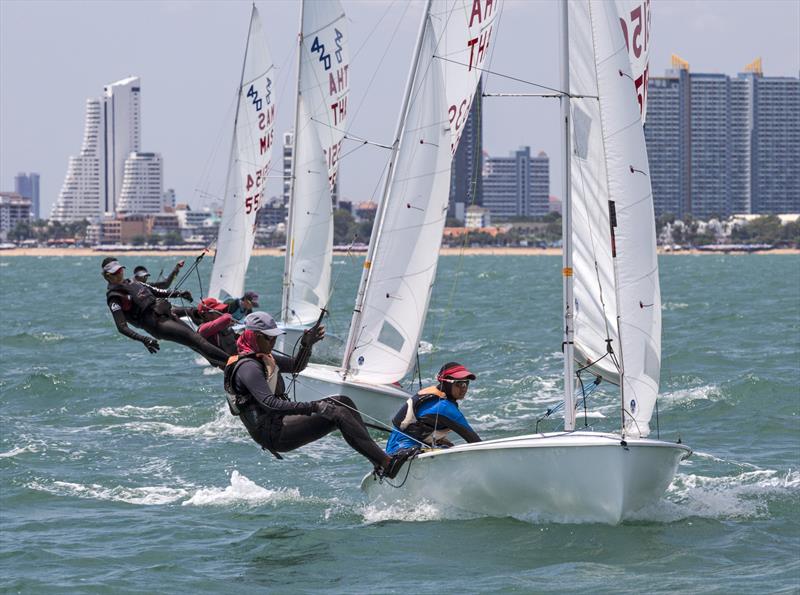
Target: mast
x: 232, y: 159
x: 355, y: 323
x: 290, y: 215
x: 566, y: 228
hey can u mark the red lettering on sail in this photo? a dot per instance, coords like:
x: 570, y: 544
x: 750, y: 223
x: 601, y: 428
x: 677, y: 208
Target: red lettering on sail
x: 482, y: 43
x: 261, y: 121
x: 339, y: 109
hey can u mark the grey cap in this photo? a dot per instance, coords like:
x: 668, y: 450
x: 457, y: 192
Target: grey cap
x: 263, y: 323
x: 112, y: 267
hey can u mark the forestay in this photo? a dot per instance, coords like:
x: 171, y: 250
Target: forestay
x: 251, y: 152
x: 617, y: 296
x: 404, y: 248
x: 321, y: 119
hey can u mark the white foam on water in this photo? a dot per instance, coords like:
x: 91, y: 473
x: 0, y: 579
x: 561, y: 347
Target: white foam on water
x: 425, y: 348
x: 141, y: 412
x: 242, y: 491
x: 706, y: 392
x: 745, y: 495
x: 18, y: 451
x: 145, y: 496
x: 223, y: 425
x: 211, y: 371
x: 410, y: 511
x: 674, y: 306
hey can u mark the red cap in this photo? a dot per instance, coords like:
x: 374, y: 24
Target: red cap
x: 211, y: 303
x: 455, y: 371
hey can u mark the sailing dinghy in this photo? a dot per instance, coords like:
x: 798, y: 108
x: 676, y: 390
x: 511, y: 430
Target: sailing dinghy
x: 612, y: 317
x: 452, y: 47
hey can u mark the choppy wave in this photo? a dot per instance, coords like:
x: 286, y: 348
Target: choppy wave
x: 683, y: 396
x: 223, y: 425
x: 18, y: 451
x: 242, y: 491
x: 744, y: 495
x: 417, y: 511
x: 142, y: 412
x: 146, y: 495
x: 674, y: 305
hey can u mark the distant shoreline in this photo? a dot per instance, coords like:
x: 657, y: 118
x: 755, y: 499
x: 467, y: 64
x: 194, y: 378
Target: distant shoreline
x: 485, y: 251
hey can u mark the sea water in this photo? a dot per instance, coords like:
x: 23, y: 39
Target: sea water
x: 122, y: 471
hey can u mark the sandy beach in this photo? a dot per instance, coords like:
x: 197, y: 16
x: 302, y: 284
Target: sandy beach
x: 484, y: 251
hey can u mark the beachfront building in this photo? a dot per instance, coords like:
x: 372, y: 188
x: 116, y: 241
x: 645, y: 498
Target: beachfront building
x: 477, y: 217
x: 466, y: 181
x: 27, y: 186
x: 517, y: 185
x: 14, y: 209
x: 719, y: 145
x: 142, y: 185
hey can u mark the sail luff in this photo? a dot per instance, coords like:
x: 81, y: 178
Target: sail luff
x: 355, y: 331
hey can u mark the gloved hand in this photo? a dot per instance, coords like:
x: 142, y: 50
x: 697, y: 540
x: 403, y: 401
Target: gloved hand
x: 187, y: 295
x: 309, y: 338
x: 152, y: 345
x: 323, y: 407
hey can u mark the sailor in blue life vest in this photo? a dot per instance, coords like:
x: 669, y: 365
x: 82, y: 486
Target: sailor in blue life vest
x: 433, y: 412
x: 241, y: 307
x: 257, y: 394
x: 146, y: 307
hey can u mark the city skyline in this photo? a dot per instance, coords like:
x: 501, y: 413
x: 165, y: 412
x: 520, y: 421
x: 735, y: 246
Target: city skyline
x: 190, y: 64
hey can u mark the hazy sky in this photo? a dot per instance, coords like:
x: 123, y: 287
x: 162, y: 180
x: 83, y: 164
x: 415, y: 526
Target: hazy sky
x: 54, y: 55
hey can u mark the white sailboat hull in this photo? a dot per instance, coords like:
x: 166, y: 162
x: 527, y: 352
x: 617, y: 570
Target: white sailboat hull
x: 564, y: 477
x: 378, y: 403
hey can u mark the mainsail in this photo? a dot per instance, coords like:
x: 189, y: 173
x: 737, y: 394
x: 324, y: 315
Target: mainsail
x: 616, y: 288
x: 251, y: 152
x: 400, y: 268
x: 320, y: 122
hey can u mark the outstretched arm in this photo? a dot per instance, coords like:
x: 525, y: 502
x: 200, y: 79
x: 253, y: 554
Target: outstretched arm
x: 123, y: 328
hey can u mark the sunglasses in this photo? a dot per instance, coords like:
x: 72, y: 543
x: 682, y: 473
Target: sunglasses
x: 459, y: 383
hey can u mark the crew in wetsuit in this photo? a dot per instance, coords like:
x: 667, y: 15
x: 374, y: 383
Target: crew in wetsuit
x: 258, y: 397
x: 433, y: 412
x: 216, y: 325
x: 132, y: 302
x: 142, y: 275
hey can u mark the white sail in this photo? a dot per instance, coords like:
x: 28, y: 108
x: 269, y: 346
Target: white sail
x: 635, y: 20
x: 251, y: 152
x: 404, y: 248
x: 617, y: 296
x: 321, y: 117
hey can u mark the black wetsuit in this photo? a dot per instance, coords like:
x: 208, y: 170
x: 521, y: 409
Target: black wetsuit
x: 132, y: 302
x: 281, y: 425
x: 165, y: 283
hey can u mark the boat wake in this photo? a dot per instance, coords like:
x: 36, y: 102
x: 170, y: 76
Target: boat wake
x: 224, y: 425
x: 744, y: 495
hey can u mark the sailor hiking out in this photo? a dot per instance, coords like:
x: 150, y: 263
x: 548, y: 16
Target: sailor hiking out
x: 258, y: 396
x: 146, y: 307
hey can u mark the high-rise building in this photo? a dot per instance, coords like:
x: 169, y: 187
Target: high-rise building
x: 518, y: 185
x: 720, y: 145
x: 142, y: 185
x: 27, y: 185
x: 112, y: 131
x: 466, y: 181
